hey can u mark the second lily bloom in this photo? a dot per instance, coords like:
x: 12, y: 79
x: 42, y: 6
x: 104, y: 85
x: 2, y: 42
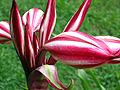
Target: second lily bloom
x: 81, y: 50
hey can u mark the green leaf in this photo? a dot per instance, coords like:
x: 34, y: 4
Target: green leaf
x: 85, y: 82
x: 96, y: 80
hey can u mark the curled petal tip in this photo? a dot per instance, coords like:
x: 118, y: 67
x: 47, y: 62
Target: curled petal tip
x: 71, y: 84
x: 50, y: 72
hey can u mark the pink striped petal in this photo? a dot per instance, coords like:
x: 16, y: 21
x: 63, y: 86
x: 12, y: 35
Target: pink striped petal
x: 5, y: 37
x: 114, y: 61
x: 78, y: 49
x: 33, y: 19
x: 114, y: 44
x: 51, y: 61
x: 30, y: 55
x: 16, y: 29
x: 77, y: 19
x: 50, y: 72
x: 40, y: 59
x: 48, y: 23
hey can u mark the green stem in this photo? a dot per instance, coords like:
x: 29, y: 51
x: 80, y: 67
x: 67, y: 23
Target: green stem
x: 24, y: 87
x: 95, y: 79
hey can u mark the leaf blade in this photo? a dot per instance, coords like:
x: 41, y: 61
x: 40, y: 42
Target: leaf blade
x: 85, y: 82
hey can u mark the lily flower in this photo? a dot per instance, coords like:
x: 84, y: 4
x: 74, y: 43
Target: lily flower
x: 31, y: 50
x: 38, y: 75
x: 40, y: 71
x: 83, y: 51
x: 71, y: 47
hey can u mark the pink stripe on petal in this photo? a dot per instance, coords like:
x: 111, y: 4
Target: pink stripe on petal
x: 5, y: 41
x: 4, y: 34
x: 112, y: 42
x: 48, y: 23
x: 5, y: 37
x: 4, y: 25
x: 114, y: 61
x: 38, y: 16
x: 81, y: 37
x: 77, y: 19
x: 30, y: 55
x: 34, y: 18
x: 16, y: 29
x: 78, y: 53
x: 51, y: 61
x: 90, y: 66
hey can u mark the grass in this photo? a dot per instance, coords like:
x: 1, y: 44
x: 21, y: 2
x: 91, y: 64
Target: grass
x: 103, y: 18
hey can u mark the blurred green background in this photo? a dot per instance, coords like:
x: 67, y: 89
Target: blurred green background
x: 103, y: 18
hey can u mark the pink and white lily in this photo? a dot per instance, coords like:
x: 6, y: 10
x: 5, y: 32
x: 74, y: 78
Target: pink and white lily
x: 71, y: 47
x: 30, y: 49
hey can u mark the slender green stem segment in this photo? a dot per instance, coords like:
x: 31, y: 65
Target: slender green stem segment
x: 95, y: 79
x: 24, y: 87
